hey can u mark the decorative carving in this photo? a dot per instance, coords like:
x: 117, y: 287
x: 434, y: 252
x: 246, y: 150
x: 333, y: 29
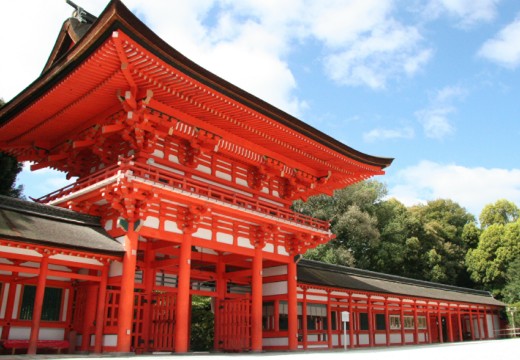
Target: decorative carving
x: 260, y: 235
x: 131, y: 202
x: 299, y: 243
x: 188, y: 218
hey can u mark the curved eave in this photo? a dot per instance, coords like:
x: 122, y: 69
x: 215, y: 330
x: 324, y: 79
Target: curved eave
x: 117, y: 16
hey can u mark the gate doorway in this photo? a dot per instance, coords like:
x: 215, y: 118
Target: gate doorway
x: 233, y: 329
x: 202, y: 331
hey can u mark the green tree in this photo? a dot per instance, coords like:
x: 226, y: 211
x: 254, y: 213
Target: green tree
x: 202, y: 324
x: 501, y: 212
x: 9, y: 169
x: 512, y: 288
x: 497, y: 250
x: 442, y: 242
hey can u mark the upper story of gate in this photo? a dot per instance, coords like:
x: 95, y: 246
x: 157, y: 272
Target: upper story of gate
x: 117, y: 105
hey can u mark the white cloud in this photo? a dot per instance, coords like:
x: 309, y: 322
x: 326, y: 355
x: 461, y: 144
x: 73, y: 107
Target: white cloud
x: 435, y: 122
x: 504, y: 48
x: 467, y: 12
x: 471, y: 187
x: 383, y: 134
x: 387, y: 51
x: 435, y: 118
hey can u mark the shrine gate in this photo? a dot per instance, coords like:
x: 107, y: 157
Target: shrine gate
x: 191, y: 175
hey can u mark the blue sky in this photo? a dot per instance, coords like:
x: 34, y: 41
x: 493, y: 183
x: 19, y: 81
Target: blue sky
x: 433, y: 83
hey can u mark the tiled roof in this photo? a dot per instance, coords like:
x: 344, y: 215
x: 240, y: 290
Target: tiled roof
x: 317, y: 273
x: 26, y: 221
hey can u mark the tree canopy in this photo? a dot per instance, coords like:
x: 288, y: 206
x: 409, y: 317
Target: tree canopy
x: 9, y: 169
x: 436, y: 241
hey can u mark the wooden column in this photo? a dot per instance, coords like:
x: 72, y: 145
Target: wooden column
x: 471, y: 327
x: 100, y: 312
x: 401, y: 316
x: 450, y: 325
x: 304, y: 319
x: 126, y: 299
x: 9, y: 306
x: 183, y: 295
x: 351, y: 323
x: 428, y: 322
x: 329, y: 321
x: 415, y: 324
x: 478, y: 324
x: 370, y: 322
x: 256, y: 301
x: 149, y: 283
x: 221, y: 294
x: 292, y: 304
x: 485, y: 323
x: 89, y: 317
x: 387, y: 322
x: 459, y: 322
x: 38, y: 305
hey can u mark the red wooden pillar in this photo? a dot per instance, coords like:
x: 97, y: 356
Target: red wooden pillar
x: 9, y: 307
x: 38, y: 304
x: 149, y: 282
x: 428, y: 322
x: 439, y: 326
x: 485, y: 323
x: 256, y: 301
x: 415, y: 324
x: 450, y: 325
x: 351, y: 323
x: 371, y: 332
x: 304, y: 319
x: 329, y: 321
x: 387, y: 321
x: 461, y: 335
x: 401, y: 316
x: 471, y: 327
x: 100, y: 312
x: 292, y: 304
x: 126, y: 299
x: 478, y: 324
x: 89, y: 317
x: 221, y: 294
x: 183, y: 295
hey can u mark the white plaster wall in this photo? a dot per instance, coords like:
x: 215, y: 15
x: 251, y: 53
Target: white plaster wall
x: 171, y: 226
x: 16, y: 303
x: 224, y: 238
x: 152, y: 222
x: 408, y: 337
x: 422, y: 337
x: 275, y: 270
x: 222, y: 175
x: 275, y: 288
x: 281, y: 341
x: 395, y: 338
x: 23, y: 333
x: 244, y: 242
x: 380, y: 339
x: 109, y: 340
x: 489, y: 320
x: 202, y: 233
x: 115, y: 269
x: 4, y: 301
x: 363, y: 339
x: 316, y: 297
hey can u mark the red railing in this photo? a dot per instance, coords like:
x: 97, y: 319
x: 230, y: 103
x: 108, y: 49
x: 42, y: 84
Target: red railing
x: 197, y: 187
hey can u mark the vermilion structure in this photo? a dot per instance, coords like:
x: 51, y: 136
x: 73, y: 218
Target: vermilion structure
x: 194, y: 179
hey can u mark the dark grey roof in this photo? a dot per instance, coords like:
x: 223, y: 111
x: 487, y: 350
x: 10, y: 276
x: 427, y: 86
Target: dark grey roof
x: 317, y: 273
x: 26, y: 221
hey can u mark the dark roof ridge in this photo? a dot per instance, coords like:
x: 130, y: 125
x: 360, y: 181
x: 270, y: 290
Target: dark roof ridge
x: 388, y: 277
x: 48, y: 211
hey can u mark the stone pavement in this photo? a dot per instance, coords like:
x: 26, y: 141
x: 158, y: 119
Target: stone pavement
x: 507, y: 349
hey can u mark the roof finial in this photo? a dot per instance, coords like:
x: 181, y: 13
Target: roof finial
x: 81, y: 14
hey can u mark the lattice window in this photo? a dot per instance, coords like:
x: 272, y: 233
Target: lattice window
x: 51, y: 303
